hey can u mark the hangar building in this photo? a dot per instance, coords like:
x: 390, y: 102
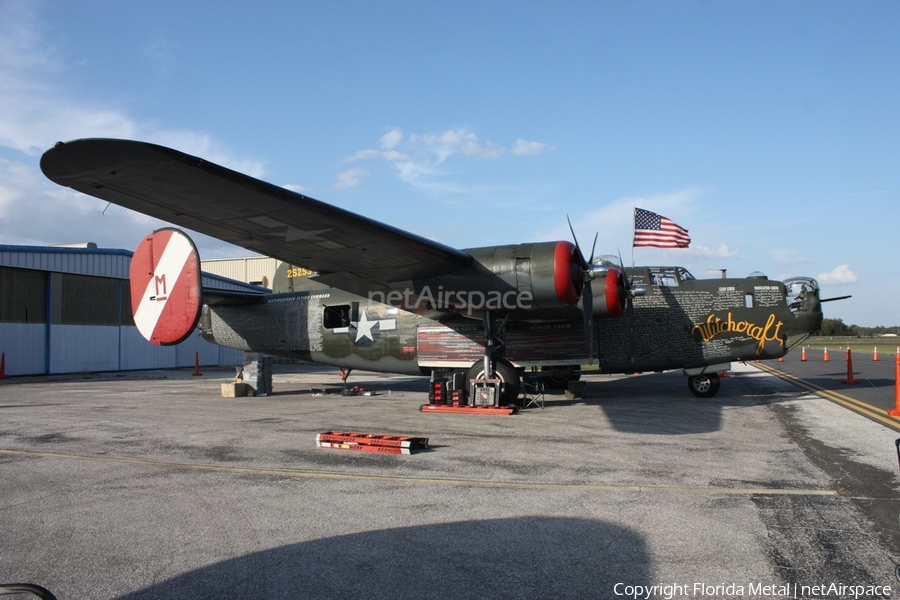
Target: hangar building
x: 258, y: 270
x: 68, y: 310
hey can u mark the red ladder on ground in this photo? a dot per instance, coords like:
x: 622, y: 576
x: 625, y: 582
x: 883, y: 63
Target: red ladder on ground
x: 371, y: 442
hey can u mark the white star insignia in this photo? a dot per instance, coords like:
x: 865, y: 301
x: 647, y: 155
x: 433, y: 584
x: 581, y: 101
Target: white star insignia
x: 364, y: 327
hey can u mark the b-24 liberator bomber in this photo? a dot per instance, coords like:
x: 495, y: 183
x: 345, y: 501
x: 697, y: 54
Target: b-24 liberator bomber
x: 386, y: 300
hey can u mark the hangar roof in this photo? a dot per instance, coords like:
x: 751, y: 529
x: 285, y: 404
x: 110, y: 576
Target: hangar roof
x: 97, y: 262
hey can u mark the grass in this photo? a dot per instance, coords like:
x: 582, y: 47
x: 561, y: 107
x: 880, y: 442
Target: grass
x: 856, y: 344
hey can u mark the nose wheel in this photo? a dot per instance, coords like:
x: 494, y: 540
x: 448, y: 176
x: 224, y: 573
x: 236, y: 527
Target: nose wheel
x: 705, y: 385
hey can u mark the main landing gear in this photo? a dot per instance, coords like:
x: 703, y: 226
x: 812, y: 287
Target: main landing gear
x: 505, y: 372
x: 705, y: 385
x: 496, y: 367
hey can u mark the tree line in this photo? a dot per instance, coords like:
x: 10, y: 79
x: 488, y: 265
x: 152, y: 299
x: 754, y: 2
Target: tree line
x: 837, y: 327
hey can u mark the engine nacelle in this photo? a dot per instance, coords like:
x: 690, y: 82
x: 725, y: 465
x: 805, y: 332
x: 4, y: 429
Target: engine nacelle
x: 516, y: 277
x: 609, y: 294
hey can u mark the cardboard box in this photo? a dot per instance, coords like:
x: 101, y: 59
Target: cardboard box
x: 234, y: 390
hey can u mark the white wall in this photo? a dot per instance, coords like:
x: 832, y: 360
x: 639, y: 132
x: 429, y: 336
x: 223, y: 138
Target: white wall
x: 93, y: 348
x: 24, y: 348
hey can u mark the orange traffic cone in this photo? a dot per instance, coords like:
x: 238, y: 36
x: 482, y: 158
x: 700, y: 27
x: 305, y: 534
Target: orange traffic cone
x: 196, y: 372
x: 825, y: 357
x: 895, y: 412
x: 875, y: 353
x: 803, y: 353
x: 3, y: 366
x: 850, y: 378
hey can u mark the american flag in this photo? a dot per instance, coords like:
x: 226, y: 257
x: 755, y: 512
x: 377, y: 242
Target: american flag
x: 651, y: 229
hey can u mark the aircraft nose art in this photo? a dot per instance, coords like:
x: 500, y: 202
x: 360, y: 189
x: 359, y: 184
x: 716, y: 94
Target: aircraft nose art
x: 165, y: 286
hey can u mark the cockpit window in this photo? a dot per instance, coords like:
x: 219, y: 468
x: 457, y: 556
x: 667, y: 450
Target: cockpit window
x: 669, y: 276
x: 664, y: 279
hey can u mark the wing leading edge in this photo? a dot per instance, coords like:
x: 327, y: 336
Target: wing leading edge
x: 348, y: 251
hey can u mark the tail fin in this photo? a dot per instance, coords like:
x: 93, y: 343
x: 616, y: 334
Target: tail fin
x: 166, y: 286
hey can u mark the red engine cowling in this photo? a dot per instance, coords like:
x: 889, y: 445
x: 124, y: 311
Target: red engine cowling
x: 609, y: 294
x: 522, y: 276
x: 567, y: 281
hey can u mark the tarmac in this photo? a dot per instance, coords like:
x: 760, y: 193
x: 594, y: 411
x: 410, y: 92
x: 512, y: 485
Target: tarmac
x: 152, y: 485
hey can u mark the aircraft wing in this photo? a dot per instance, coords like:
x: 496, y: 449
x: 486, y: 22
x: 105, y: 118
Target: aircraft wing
x: 348, y: 251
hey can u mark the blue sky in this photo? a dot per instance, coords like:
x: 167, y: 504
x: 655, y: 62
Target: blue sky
x: 770, y: 130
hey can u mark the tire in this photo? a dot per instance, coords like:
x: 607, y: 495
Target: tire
x: 506, y: 373
x: 561, y: 376
x: 704, y: 386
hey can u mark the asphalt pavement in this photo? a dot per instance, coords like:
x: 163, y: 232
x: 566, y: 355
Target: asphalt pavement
x: 862, y: 382
x: 152, y: 485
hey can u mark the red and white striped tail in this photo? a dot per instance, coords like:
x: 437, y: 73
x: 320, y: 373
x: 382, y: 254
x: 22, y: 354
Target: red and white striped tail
x: 166, y: 286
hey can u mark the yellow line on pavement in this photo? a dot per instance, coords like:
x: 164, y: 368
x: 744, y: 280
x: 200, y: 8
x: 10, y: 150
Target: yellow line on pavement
x: 857, y: 406
x: 475, y: 483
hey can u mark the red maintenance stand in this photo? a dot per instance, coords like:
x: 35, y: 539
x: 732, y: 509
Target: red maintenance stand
x: 448, y: 395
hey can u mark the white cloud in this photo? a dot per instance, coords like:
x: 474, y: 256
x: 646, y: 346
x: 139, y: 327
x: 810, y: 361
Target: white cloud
x: 388, y: 155
x: 391, y: 139
x: 36, y: 112
x: 453, y: 142
x: 34, y: 211
x: 350, y: 178
x: 525, y: 147
x: 720, y: 251
x: 202, y: 145
x: 33, y: 113
x: 299, y: 189
x: 422, y: 160
x: 615, y: 220
x: 840, y: 275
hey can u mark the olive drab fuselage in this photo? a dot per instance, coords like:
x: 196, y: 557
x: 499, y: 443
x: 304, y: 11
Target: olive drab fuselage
x: 680, y: 323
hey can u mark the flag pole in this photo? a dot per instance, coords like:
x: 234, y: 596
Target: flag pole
x: 633, y: 231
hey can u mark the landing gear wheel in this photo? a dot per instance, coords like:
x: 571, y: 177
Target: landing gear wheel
x: 561, y: 376
x: 506, y: 373
x: 704, y: 386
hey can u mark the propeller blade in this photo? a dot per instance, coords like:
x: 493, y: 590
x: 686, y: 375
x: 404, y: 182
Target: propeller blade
x: 584, y: 264
x: 629, y: 310
x: 621, y: 264
x: 587, y: 293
